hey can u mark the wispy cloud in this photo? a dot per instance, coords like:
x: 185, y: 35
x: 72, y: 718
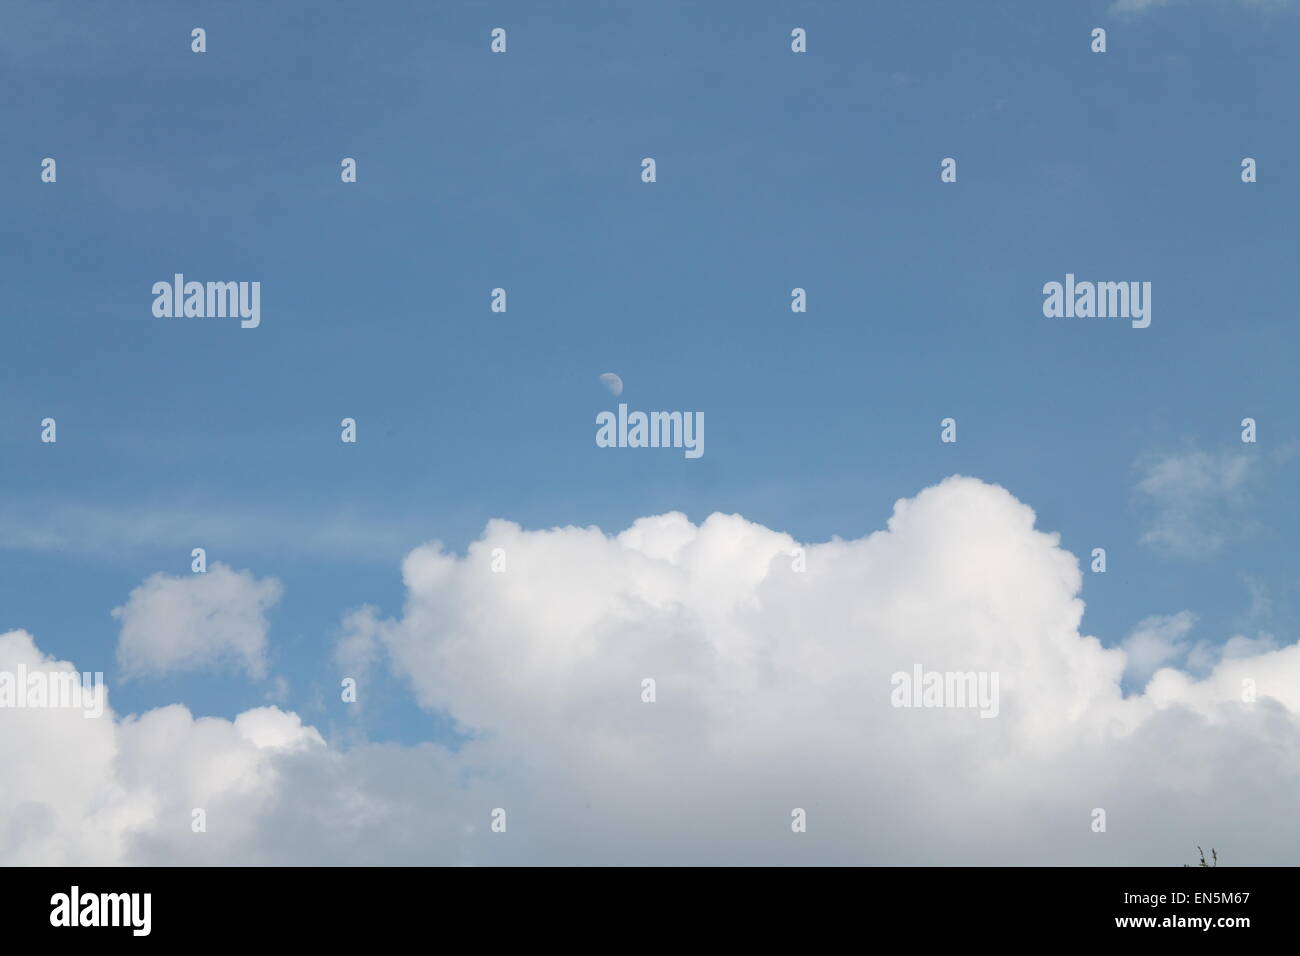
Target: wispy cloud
x: 105, y: 530
x: 1138, y: 6
x: 1196, y: 500
x: 1158, y: 641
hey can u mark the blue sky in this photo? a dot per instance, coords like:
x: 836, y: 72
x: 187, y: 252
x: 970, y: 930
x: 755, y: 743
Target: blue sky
x: 775, y: 170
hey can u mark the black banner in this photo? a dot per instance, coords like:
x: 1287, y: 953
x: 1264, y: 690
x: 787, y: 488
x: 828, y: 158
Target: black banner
x: 332, y: 906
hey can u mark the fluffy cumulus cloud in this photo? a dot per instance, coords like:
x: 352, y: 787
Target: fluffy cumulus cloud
x: 772, y: 692
x: 173, y: 624
x: 81, y: 789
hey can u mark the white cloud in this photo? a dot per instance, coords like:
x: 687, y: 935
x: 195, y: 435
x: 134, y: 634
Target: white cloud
x: 172, y: 624
x: 773, y: 693
x: 78, y: 790
x: 122, y: 790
